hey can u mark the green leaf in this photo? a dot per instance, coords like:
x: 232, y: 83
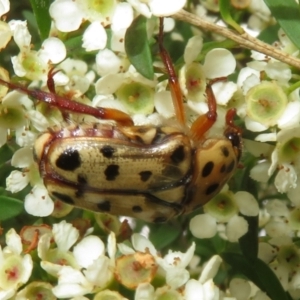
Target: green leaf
x: 137, y: 47
x: 287, y: 15
x: 10, y: 207
x: 249, y: 241
x: 41, y: 11
x: 163, y: 235
x: 259, y: 273
x: 5, y: 154
x: 224, y: 6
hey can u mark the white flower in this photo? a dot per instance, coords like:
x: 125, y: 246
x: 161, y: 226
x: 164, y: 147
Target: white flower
x: 164, y: 8
x: 94, y: 37
x: 18, y: 180
x: 35, y: 64
x: 174, y: 264
x: 15, y: 268
x: 38, y: 202
x: 4, y: 7
x: 71, y: 283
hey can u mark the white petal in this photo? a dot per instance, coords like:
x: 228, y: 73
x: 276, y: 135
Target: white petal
x: 17, y: 66
x: 290, y: 116
x: 254, y: 126
x: 27, y: 266
x: 141, y: 7
x: 203, y: 226
x: 164, y: 8
x: 5, y: 33
x: 4, y: 7
x: 94, y: 37
x: 66, y: 15
x: 193, y: 48
x: 176, y: 277
x: 22, y: 36
x: 100, y: 273
x: 38, y: 120
x: 286, y: 178
x: 142, y: 244
x: 193, y: 290
x: 107, y: 62
x: 22, y: 158
x: 92, y: 245
x: 266, y: 252
x: 144, y: 291
x: 71, y: 283
x: 293, y: 194
x: 247, y: 204
x: 240, y: 288
x: 125, y: 250
x: 16, y: 181
x: 267, y: 137
x: 53, y: 50
x: 211, y: 291
x: 44, y: 245
x: 108, y: 84
x: 122, y: 17
x: 277, y: 228
x: 260, y: 172
x: 13, y: 241
x: 224, y: 91
x: 163, y: 103
x: 211, y: 268
x: 111, y: 245
x: 236, y: 228
x: 219, y: 62
x: 278, y: 71
x: 24, y: 137
x: 277, y: 208
x: 3, y: 136
x: 117, y: 41
x: 38, y: 203
x: 65, y: 235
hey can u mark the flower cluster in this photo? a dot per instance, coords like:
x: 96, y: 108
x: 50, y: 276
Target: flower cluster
x: 86, y: 57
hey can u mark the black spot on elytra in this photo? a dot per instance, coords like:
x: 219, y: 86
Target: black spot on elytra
x: 160, y: 220
x: 69, y: 160
x: 104, y: 206
x: 137, y: 209
x: 207, y: 169
x: 81, y: 179
x: 230, y: 167
x: 111, y: 172
x: 145, y: 175
x: 178, y: 155
x: 225, y: 151
x: 223, y: 168
x: 82, y: 183
x: 64, y: 198
x: 212, y: 188
x: 107, y: 151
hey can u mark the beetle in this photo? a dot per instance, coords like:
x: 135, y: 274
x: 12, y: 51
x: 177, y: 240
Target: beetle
x: 146, y: 172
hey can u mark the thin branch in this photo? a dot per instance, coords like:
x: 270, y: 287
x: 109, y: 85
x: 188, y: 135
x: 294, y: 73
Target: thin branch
x: 244, y: 39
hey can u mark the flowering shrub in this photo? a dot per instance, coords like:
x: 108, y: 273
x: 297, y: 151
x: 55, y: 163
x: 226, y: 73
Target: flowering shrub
x: 243, y: 244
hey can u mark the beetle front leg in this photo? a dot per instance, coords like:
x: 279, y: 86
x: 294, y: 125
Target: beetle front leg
x: 69, y: 105
x: 177, y: 96
x: 204, y: 122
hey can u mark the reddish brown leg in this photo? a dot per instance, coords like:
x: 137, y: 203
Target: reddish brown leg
x: 50, y: 80
x: 70, y: 105
x: 173, y: 79
x: 231, y: 113
x: 205, y: 122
